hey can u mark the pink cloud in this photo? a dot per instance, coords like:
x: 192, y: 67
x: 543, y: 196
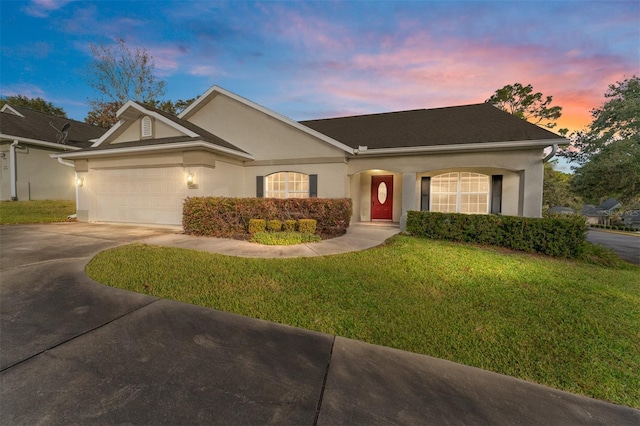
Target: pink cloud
x: 307, y: 30
x: 423, y: 72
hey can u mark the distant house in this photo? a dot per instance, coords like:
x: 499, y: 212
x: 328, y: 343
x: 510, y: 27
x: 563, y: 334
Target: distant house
x: 631, y: 218
x: 561, y: 210
x: 474, y: 159
x: 602, y: 214
x: 27, y: 140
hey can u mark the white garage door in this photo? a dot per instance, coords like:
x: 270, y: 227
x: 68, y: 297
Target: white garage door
x: 149, y: 195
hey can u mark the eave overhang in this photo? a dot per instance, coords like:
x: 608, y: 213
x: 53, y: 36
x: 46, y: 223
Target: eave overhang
x: 471, y: 147
x: 115, y: 152
x: 39, y: 143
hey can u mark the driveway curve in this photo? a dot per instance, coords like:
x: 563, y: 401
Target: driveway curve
x: 75, y: 351
x: 625, y: 245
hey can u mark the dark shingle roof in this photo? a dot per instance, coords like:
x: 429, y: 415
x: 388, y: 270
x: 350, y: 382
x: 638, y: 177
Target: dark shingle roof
x: 35, y: 125
x: 478, y: 123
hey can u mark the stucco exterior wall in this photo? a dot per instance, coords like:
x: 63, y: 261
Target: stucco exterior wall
x: 361, y: 194
x: 332, y: 179
x: 151, y: 188
x: 38, y: 177
x: 132, y: 133
x: 253, y: 131
x: 522, y: 172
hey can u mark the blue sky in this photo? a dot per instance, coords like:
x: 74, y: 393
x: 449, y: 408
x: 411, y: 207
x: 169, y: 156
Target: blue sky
x: 322, y: 59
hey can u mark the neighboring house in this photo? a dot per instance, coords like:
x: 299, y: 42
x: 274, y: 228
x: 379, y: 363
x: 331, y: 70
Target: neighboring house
x: 631, y: 218
x: 561, y: 210
x: 27, y: 140
x: 469, y: 159
x: 602, y: 214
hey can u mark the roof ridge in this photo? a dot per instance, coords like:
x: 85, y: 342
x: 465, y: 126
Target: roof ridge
x: 52, y: 116
x: 394, y: 112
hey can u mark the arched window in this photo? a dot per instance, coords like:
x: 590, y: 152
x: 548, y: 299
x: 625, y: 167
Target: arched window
x: 460, y: 192
x: 286, y: 185
x: 146, y: 127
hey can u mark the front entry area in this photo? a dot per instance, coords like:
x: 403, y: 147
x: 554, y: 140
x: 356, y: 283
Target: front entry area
x: 382, y: 197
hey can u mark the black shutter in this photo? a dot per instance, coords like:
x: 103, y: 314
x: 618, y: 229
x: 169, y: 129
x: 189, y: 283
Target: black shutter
x: 259, y: 186
x: 313, y: 186
x: 425, y: 190
x: 496, y: 194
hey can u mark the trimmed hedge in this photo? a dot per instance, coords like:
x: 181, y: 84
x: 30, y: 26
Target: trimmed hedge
x: 553, y: 236
x: 229, y: 217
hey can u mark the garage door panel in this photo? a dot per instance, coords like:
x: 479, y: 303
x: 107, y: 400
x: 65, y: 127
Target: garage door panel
x: 152, y: 195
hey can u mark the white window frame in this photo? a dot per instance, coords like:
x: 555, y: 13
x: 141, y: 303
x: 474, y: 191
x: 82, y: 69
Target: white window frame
x: 459, y: 193
x: 287, y: 182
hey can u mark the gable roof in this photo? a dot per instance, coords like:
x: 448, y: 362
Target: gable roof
x: 37, y: 127
x: 192, y: 135
x: 438, y: 127
x: 214, y: 91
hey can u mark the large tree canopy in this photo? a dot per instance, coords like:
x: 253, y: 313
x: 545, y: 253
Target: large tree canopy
x: 36, y: 104
x: 119, y: 74
x: 522, y: 102
x: 608, y: 151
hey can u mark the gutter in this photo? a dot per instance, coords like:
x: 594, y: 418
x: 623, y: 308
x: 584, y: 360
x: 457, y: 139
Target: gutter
x: 486, y: 146
x: 40, y: 143
x: 151, y: 148
x: 64, y: 162
x: 554, y: 149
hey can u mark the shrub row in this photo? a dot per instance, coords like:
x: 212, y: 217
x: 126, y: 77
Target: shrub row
x: 615, y: 227
x: 553, y: 236
x: 229, y: 217
x: 305, y: 226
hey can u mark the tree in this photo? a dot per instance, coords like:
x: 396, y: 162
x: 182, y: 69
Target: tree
x: 522, y: 102
x: 608, y: 151
x: 174, y: 108
x: 613, y: 172
x: 119, y: 74
x: 36, y: 104
x: 103, y: 115
x: 557, y: 189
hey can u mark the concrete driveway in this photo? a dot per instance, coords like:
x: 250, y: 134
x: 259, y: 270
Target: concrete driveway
x: 75, y: 351
x: 626, y: 246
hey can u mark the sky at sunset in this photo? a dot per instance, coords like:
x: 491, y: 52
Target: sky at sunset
x: 321, y: 59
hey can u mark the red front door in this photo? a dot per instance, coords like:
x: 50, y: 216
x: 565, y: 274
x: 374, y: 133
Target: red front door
x: 382, y: 197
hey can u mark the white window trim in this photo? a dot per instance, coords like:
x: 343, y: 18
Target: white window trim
x: 459, y: 192
x: 286, y: 192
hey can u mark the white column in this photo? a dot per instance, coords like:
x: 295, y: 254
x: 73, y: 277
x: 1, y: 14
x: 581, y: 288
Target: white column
x: 408, y: 197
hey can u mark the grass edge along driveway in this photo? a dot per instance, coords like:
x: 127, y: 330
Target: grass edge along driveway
x: 565, y: 324
x: 35, y: 211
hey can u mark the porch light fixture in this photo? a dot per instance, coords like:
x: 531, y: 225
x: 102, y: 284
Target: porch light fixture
x: 191, y: 181
x: 79, y: 182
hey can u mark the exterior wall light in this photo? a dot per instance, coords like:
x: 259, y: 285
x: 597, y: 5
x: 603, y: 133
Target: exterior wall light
x: 79, y: 182
x: 191, y: 181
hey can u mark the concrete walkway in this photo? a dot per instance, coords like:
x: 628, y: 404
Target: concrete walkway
x: 73, y: 351
x: 359, y: 236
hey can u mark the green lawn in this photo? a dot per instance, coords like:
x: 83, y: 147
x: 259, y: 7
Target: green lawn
x: 15, y: 212
x: 566, y: 324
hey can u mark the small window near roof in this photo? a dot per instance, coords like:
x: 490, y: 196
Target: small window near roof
x: 146, y: 130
